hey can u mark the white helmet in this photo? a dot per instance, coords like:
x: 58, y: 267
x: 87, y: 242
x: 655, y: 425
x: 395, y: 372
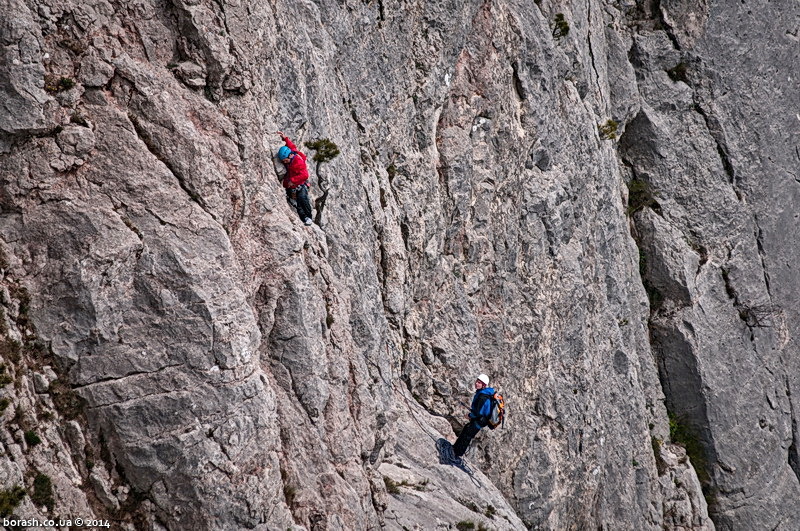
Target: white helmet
x: 484, y: 379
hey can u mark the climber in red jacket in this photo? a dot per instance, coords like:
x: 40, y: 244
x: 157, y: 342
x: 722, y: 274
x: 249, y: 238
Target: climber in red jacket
x: 296, y: 179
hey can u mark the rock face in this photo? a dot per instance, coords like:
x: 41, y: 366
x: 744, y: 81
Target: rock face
x: 594, y: 204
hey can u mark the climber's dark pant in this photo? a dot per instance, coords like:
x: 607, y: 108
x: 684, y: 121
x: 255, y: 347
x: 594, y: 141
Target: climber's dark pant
x: 303, y: 203
x: 462, y: 443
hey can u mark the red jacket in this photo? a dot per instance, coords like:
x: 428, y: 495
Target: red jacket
x: 296, y: 170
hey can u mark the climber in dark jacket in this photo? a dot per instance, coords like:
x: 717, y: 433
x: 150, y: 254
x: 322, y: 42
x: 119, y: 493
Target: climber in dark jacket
x: 478, y: 415
x: 296, y: 179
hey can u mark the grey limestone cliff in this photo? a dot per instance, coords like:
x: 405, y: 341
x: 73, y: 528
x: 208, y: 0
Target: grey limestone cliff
x: 593, y: 202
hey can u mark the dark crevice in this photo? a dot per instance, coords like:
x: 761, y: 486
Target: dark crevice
x: 376, y: 451
x: 105, y: 379
x: 715, y: 129
x: 676, y: 357
x: 648, y: 16
x: 589, y: 46
x: 794, y: 448
x: 688, y: 417
x: 404, y: 231
x: 702, y: 251
x: 382, y: 274
x: 129, y: 224
x: 728, y: 286
x: 353, y: 114
x: 796, y: 152
x: 222, y: 16
x: 319, y: 202
x: 319, y: 205
x: 761, y: 253
x: 519, y: 88
x: 384, y: 204
x: 641, y: 195
x: 662, y: 21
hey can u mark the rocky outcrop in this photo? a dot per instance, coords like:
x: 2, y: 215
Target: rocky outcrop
x: 567, y: 198
x: 44, y: 446
x: 22, y: 76
x: 716, y: 160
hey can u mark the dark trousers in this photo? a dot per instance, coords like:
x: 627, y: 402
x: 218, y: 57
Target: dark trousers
x: 462, y: 443
x: 303, y: 203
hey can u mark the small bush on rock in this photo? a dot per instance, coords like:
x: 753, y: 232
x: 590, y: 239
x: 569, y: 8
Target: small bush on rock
x: 560, y: 26
x: 678, y: 72
x: 681, y: 433
x: 9, y: 499
x: 53, y: 84
x: 43, y: 491
x: 31, y: 439
x: 608, y: 130
x: 392, y: 487
x: 5, y: 379
x: 325, y: 149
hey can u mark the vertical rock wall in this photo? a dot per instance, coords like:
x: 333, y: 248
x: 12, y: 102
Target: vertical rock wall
x: 715, y: 147
x: 538, y: 191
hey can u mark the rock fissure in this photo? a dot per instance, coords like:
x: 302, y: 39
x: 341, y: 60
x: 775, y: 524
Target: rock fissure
x: 589, y: 46
x: 716, y: 132
x: 134, y: 400
x: 661, y: 19
x: 122, y: 378
x: 151, y: 147
x: 762, y: 255
x: 161, y: 220
x: 794, y: 447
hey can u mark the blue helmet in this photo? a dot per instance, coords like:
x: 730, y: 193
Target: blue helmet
x: 284, y: 152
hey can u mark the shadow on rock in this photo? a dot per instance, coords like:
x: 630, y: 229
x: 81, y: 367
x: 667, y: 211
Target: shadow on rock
x: 447, y: 457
